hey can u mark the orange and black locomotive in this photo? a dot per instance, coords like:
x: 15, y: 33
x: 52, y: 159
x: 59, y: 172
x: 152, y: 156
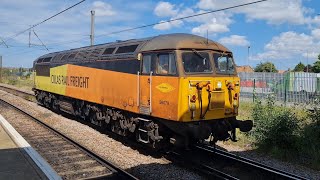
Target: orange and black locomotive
x: 175, y: 88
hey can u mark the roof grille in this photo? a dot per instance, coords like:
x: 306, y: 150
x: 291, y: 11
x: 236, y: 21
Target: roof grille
x: 109, y: 51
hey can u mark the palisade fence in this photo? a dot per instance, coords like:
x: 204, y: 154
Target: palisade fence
x: 294, y: 87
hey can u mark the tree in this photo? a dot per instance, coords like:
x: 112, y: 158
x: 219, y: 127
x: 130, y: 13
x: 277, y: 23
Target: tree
x: 308, y: 68
x: 266, y: 67
x: 299, y: 67
x: 316, y: 66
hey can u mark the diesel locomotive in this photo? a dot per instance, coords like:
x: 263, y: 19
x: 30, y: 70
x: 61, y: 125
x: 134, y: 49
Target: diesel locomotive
x: 169, y: 89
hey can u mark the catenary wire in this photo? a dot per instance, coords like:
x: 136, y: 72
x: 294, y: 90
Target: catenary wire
x: 162, y: 22
x: 148, y: 25
x: 35, y: 25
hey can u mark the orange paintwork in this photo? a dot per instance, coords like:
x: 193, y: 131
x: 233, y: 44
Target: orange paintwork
x: 164, y: 100
x: 105, y: 87
x: 120, y: 90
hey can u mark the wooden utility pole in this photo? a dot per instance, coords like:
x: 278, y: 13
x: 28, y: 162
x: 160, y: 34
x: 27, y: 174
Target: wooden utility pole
x: 92, y: 28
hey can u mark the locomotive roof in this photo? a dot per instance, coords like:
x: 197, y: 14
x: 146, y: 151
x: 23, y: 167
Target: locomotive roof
x: 182, y: 41
x: 130, y: 48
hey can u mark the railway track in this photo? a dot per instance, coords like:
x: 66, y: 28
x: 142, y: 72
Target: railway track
x: 192, y: 163
x: 23, y: 94
x: 68, y: 158
x: 238, y: 167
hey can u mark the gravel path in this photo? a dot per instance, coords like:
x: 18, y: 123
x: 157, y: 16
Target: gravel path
x: 141, y: 166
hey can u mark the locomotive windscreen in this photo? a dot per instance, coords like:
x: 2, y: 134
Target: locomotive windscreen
x: 196, y: 62
x: 224, y: 64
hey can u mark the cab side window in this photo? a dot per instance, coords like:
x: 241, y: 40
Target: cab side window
x: 166, y: 64
x: 146, y: 64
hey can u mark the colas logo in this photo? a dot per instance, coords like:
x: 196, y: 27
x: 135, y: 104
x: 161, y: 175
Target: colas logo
x: 165, y: 88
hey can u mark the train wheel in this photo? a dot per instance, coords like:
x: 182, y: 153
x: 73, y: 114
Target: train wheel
x: 55, y: 105
x: 94, y: 120
x: 46, y: 100
x: 39, y: 97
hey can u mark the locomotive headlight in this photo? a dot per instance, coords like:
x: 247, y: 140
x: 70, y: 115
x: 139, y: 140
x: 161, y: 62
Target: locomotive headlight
x: 219, y: 84
x: 192, y: 106
x: 235, y: 104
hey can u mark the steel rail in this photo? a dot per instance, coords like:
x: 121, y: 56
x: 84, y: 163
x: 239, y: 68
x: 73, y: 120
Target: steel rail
x: 17, y: 92
x: 217, y: 173
x: 119, y: 173
x: 211, y: 171
x: 249, y: 162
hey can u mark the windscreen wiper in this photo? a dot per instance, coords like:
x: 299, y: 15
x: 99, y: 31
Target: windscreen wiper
x: 198, y: 54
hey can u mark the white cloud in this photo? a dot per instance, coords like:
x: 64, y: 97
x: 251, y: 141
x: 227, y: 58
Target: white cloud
x: 213, y: 23
x: 235, y: 40
x: 103, y: 9
x: 212, y: 27
x: 273, y: 11
x: 288, y: 45
x: 167, y: 25
x: 165, y: 9
x: 316, y: 33
x: 290, y: 40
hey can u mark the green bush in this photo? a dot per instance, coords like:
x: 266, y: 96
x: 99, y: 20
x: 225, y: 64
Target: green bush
x: 287, y: 132
x: 275, y: 127
x: 310, y: 139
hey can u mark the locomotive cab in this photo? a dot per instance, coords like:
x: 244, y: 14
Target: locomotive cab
x: 194, y: 91
x: 212, y: 87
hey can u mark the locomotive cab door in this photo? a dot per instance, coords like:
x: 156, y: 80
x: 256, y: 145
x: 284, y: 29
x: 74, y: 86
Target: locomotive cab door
x: 145, y: 84
x: 158, y: 84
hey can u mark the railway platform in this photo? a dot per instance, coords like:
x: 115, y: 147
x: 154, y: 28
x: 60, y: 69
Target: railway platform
x: 18, y: 160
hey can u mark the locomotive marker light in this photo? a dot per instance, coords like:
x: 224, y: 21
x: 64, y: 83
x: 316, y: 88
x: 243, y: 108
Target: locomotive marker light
x: 219, y: 85
x: 139, y: 56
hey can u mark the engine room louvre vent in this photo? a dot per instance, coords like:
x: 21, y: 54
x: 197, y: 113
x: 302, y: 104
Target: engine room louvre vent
x: 127, y: 49
x: 95, y: 53
x: 57, y: 57
x: 81, y: 55
x: 46, y: 59
x: 40, y: 60
x: 64, y: 57
x: 109, y: 51
x: 72, y: 56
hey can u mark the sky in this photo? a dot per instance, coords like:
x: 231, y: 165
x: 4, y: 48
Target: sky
x: 283, y: 32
